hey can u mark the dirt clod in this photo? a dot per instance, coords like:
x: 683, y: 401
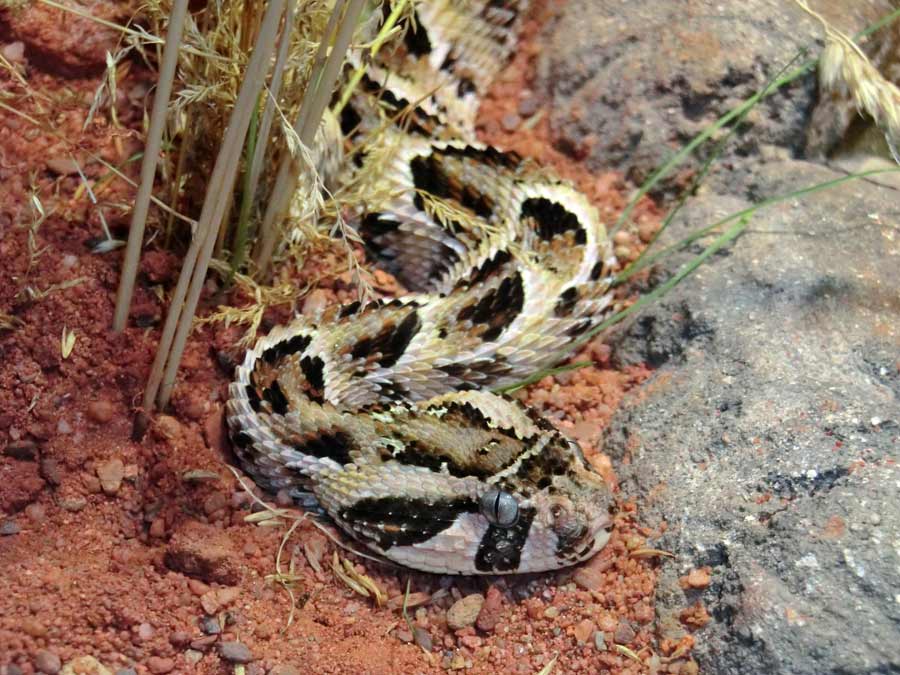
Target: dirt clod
x: 491, y: 611
x: 101, y: 411
x: 159, y: 665
x: 202, y: 551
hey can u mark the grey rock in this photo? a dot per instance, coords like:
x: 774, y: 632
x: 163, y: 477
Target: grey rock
x: 9, y: 528
x: 210, y: 625
x: 631, y: 82
x: 768, y: 438
x: 236, y: 652
x: 47, y: 662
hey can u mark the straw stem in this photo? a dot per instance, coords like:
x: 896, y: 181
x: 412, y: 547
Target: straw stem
x: 221, y: 182
x: 148, y: 164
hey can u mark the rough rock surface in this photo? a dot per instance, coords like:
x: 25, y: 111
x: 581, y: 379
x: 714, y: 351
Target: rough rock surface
x: 768, y: 438
x: 631, y: 82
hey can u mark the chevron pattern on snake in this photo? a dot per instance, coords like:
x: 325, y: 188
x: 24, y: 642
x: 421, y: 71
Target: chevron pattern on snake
x: 384, y: 412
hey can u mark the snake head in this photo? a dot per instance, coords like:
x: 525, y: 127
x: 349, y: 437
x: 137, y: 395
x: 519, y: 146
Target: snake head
x: 552, y: 511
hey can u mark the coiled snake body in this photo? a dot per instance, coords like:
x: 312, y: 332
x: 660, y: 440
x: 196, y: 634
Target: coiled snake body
x: 384, y: 412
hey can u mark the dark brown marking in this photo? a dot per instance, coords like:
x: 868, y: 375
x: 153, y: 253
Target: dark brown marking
x: 347, y: 310
x: 416, y: 38
x: 489, y: 155
x: 284, y: 348
x: 500, y: 549
x: 550, y: 218
x: 579, y: 327
x: 398, y: 521
x: 596, y: 270
x: 465, y: 86
x: 276, y: 398
x: 498, y: 308
x: 242, y: 440
x: 429, y: 176
x: 566, y: 302
x: 390, y: 342
x: 336, y: 446
x: 253, y: 397
x: 314, y: 371
x: 433, y: 459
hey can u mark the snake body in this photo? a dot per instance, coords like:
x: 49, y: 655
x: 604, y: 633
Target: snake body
x: 383, y: 412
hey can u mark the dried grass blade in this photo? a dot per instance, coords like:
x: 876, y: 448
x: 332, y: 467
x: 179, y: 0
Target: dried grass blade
x: 318, y: 93
x: 148, y: 164
x: 178, y: 322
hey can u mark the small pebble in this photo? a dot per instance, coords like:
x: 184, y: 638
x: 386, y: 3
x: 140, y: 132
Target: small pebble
x: 551, y: 612
x: 646, y: 231
x: 210, y: 625
x: 197, y: 587
x: 624, y: 633
x: 491, y: 611
x: 465, y: 611
x: 696, y: 578
x: 193, y: 656
x: 63, y: 427
x: 234, y: 651
x: 50, y: 471
x: 36, y: 512
x: 47, y: 662
x: 73, y: 504
x: 126, y: 671
x: 179, y: 638
x: 14, y: 52
x: 84, y: 665
x: 111, y: 474
x: 591, y: 575
x: 511, y: 121
x: 145, y: 631
x: 583, y: 631
x: 599, y: 641
x: 159, y: 665
x: 9, y: 528
x: 204, y: 643
x: 158, y: 528
x: 100, y: 411
x: 284, y: 669
x: 215, y: 502
x: 528, y: 106
x: 422, y: 638
x: 33, y: 627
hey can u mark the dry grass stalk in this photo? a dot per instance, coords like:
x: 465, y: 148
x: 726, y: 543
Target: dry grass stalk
x: 845, y: 69
x: 318, y: 92
x: 148, y: 165
x: 180, y: 318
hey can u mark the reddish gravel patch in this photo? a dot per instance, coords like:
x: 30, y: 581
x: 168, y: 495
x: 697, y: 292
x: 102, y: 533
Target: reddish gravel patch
x: 136, y: 553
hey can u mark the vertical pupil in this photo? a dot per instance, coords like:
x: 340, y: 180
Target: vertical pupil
x: 497, y: 506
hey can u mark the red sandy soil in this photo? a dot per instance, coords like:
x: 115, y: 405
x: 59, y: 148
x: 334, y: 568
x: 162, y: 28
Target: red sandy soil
x: 136, y: 553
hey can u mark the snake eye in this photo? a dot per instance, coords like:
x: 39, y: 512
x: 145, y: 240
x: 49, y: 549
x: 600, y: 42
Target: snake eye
x: 499, y: 507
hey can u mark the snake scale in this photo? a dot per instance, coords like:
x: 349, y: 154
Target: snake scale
x: 383, y: 412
